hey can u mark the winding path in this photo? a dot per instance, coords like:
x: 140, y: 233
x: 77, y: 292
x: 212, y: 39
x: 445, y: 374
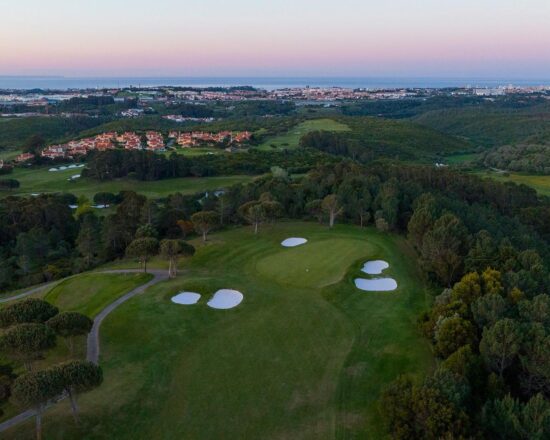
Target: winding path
x: 92, y: 353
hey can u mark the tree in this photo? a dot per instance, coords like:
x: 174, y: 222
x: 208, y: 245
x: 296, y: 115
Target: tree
x: 488, y: 309
x: 507, y: 418
x: 9, y: 184
x: 500, y: 344
x: 451, y: 334
x: 444, y: 247
x: 204, y: 222
x: 331, y: 206
x: 26, y: 311
x: 35, y: 389
x: 315, y: 209
x: 88, y: 242
x: 70, y: 325
x: 422, y: 220
x: 34, y: 144
x: 254, y: 213
x: 171, y: 249
x: 26, y: 342
x: 78, y: 377
x: 143, y: 248
x: 186, y: 227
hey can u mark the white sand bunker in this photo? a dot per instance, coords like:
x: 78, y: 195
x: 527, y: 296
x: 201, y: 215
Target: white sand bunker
x: 375, y: 267
x: 186, y: 298
x: 293, y: 241
x: 225, y: 299
x: 376, y: 284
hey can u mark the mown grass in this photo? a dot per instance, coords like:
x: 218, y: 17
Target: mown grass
x: 291, y: 139
x: 294, y: 360
x: 40, y: 180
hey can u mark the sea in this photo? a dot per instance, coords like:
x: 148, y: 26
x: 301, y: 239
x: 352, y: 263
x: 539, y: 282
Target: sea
x: 267, y: 83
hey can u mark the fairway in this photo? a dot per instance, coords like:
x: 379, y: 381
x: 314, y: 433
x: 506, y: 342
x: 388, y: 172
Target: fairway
x: 292, y: 361
x: 40, y: 180
x: 540, y: 183
x: 291, y: 139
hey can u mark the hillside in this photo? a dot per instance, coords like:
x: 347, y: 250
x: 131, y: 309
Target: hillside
x: 491, y: 127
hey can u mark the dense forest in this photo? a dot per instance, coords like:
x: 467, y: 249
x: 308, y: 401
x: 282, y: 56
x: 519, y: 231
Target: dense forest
x: 531, y: 158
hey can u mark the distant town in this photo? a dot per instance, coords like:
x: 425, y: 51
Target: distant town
x: 33, y: 100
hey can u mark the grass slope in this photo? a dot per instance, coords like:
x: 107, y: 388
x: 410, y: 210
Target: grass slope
x: 91, y: 293
x: 293, y: 361
x: 488, y: 127
x: 88, y: 294
x: 291, y: 139
x: 41, y: 180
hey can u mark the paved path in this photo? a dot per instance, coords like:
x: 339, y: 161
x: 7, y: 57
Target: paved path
x: 92, y: 353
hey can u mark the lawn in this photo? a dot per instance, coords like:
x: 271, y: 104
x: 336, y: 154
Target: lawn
x: 304, y: 356
x: 40, y: 180
x: 291, y: 139
x: 540, y: 183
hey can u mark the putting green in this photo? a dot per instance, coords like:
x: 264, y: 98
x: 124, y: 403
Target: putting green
x: 314, y: 264
x: 292, y: 361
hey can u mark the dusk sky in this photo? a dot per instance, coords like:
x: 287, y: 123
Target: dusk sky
x: 489, y: 38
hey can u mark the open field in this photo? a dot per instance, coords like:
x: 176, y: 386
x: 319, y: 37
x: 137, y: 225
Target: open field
x: 540, y: 183
x: 40, y: 180
x: 304, y: 356
x: 457, y: 159
x: 292, y: 137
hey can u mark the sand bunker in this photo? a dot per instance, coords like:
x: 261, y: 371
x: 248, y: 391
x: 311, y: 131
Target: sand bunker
x: 293, y: 241
x: 225, y: 299
x: 376, y: 284
x: 52, y: 169
x: 186, y: 298
x: 375, y: 267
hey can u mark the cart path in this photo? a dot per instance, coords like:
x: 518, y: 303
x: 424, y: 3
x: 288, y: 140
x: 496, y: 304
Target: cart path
x: 92, y: 353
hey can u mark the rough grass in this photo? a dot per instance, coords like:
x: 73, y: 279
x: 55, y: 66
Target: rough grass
x: 291, y: 139
x: 292, y: 361
x: 91, y: 293
x: 540, y: 183
x: 40, y: 180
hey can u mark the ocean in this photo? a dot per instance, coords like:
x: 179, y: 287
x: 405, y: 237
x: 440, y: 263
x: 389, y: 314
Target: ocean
x: 268, y: 83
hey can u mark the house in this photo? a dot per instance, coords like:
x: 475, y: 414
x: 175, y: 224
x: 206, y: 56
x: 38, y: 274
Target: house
x: 24, y: 157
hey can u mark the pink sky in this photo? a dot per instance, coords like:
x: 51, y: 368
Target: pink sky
x: 212, y: 37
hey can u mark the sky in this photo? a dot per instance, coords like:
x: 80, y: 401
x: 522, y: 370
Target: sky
x: 398, y: 38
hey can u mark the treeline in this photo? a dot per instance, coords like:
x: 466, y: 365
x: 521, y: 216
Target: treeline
x: 528, y: 158
x: 145, y: 165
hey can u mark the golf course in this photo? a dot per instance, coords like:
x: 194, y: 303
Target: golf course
x: 41, y: 180
x: 304, y: 355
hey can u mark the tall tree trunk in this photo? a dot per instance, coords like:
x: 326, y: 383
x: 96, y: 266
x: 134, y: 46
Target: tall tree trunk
x: 255, y: 227
x: 39, y: 423
x: 361, y: 220
x: 74, y: 405
x: 204, y: 236
x: 331, y: 221
x: 145, y: 265
x: 175, y: 267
